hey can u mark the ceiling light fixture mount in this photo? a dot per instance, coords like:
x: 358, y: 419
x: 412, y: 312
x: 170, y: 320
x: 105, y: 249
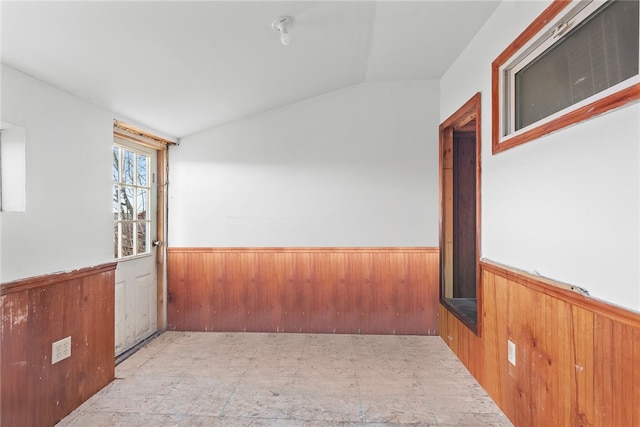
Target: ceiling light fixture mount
x: 282, y: 25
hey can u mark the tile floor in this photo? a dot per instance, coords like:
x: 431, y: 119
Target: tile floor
x: 242, y: 379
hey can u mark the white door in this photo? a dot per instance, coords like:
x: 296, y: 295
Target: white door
x: 135, y: 228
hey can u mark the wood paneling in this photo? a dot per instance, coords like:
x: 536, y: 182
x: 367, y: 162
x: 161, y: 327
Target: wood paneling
x: 446, y: 202
x: 37, y: 312
x: 577, y: 359
x: 323, y: 290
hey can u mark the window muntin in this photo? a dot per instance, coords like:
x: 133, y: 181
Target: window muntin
x: 575, y: 56
x: 131, y: 202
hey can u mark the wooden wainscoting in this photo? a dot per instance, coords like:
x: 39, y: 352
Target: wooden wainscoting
x: 577, y: 359
x: 317, y: 290
x: 39, y: 311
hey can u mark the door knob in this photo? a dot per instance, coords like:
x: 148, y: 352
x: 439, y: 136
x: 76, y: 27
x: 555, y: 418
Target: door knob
x: 156, y: 243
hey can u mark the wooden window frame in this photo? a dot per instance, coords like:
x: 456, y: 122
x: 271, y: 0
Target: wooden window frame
x: 600, y: 106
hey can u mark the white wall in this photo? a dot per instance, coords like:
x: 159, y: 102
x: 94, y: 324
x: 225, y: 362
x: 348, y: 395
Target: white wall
x: 68, y: 220
x: 565, y: 205
x: 355, y: 167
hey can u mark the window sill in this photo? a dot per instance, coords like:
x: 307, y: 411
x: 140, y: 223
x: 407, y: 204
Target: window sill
x: 465, y: 309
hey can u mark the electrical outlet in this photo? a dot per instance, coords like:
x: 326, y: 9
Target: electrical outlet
x: 60, y: 350
x: 511, y: 352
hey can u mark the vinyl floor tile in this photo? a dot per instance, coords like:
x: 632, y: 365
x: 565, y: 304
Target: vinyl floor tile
x: 265, y: 379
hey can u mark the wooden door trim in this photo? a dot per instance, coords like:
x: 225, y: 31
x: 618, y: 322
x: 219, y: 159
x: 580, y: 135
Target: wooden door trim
x: 161, y: 146
x: 460, y: 120
x: 162, y: 162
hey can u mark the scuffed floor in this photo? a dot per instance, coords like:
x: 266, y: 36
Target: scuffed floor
x: 242, y: 379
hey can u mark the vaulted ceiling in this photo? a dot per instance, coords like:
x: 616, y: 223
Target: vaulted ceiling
x: 179, y: 67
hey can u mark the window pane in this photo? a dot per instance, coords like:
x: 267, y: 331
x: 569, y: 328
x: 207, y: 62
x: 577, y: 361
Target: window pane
x: 131, y: 202
x: 143, y: 161
x: 116, y: 202
x: 128, y: 166
x: 542, y: 88
x: 142, y: 237
x: 598, y: 54
x: 115, y: 239
x: 127, y: 239
x: 126, y: 203
x: 116, y: 163
x: 143, y: 203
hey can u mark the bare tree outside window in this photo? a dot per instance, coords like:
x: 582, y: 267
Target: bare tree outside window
x: 131, y: 190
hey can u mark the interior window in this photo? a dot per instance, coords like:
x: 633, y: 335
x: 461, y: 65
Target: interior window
x: 568, y: 71
x: 12, y: 168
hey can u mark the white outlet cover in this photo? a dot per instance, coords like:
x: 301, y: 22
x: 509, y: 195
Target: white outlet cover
x: 511, y: 352
x: 60, y: 350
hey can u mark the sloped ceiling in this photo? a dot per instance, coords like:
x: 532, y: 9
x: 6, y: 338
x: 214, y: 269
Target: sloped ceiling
x: 179, y: 67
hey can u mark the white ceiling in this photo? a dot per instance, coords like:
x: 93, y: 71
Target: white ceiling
x: 179, y: 67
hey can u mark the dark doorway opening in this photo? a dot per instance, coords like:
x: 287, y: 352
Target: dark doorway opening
x: 459, y: 213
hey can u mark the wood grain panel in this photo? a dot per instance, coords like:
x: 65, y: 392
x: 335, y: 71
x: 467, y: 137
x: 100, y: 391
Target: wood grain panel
x: 358, y: 279
x: 446, y: 195
x: 39, y: 311
x: 635, y: 397
x: 577, y: 359
x: 320, y: 290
